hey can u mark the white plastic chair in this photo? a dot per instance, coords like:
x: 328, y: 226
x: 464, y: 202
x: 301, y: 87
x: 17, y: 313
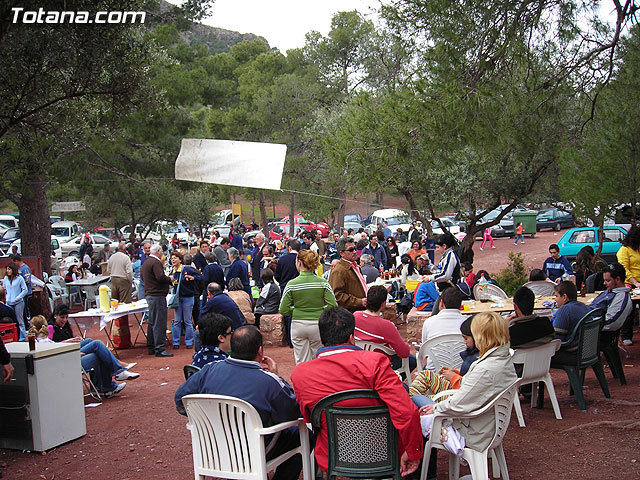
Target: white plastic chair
x: 91, y: 297
x: 541, y: 288
x: 404, y: 368
x: 443, y: 351
x: 502, y: 405
x: 536, y: 362
x: 488, y: 291
x: 57, y: 292
x: 135, y: 289
x: 227, y: 439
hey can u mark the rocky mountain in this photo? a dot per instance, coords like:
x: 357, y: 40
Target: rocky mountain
x: 218, y: 40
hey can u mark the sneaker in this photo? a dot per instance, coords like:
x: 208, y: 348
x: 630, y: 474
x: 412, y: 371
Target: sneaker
x: 115, y: 391
x: 522, y: 242
x: 627, y: 341
x: 515, y: 243
x: 131, y: 365
x: 493, y: 247
x: 481, y: 248
x: 126, y: 375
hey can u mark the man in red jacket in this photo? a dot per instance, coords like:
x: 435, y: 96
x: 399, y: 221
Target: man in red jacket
x: 339, y: 366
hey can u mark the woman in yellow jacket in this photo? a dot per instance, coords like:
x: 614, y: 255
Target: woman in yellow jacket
x: 629, y: 258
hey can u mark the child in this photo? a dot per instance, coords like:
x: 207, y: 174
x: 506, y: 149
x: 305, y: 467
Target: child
x: 269, y: 300
x: 467, y: 271
x: 519, y: 233
x: 40, y: 327
x: 428, y: 383
x: 487, y: 236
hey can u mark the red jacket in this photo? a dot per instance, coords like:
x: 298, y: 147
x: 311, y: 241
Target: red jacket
x: 347, y: 367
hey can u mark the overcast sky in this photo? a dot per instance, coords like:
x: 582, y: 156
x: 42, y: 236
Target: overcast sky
x: 283, y: 23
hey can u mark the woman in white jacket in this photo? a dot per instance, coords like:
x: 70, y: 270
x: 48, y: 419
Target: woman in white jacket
x: 486, y: 378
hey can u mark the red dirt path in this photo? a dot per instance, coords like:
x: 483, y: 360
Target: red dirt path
x: 139, y: 435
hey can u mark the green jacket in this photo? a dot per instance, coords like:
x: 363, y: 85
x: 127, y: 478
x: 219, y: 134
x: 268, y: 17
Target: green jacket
x: 307, y: 296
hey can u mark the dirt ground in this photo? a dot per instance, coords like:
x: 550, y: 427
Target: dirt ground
x: 139, y: 435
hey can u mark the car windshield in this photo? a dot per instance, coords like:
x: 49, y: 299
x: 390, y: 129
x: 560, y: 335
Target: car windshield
x: 400, y: 220
x: 546, y: 214
x: 60, y: 231
x: 11, y: 233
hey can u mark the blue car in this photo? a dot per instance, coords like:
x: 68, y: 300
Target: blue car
x: 555, y: 219
x: 575, y: 239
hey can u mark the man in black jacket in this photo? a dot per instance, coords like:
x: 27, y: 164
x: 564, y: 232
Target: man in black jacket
x: 285, y: 272
x: 525, y: 328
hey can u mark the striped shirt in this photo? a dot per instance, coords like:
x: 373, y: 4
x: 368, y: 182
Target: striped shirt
x: 306, y: 296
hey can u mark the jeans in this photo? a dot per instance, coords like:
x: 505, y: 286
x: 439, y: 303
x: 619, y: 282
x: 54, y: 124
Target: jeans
x: 182, y: 314
x: 98, y: 357
x: 422, y: 400
x: 519, y: 237
x: 19, y: 309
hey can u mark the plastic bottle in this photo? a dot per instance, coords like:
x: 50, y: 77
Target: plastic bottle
x: 482, y: 279
x: 583, y: 290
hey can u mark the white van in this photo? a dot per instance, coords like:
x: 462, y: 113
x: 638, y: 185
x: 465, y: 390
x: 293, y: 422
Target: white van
x: 9, y: 221
x: 395, y: 219
x: 65, y: 230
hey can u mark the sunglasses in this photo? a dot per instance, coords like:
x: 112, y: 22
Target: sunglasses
x: 352, y: 249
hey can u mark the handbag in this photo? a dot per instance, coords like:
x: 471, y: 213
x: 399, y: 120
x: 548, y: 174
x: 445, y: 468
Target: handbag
x: 174, y: 300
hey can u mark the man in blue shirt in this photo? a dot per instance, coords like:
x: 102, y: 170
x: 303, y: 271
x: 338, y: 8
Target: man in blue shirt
x: 253, y: 377
x: 220, y: 302
x: 556, y: 265
x: 569, y: 313
x: 377, y: 253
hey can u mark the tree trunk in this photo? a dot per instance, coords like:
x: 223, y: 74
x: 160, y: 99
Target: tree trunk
x: 35, y: 226
x: 341, y: 207
x: 292, y: 215
x: 263, y: 215
x: 253, y: 210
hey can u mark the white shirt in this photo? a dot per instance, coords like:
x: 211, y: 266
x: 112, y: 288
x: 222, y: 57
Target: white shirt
x: 446, y: 322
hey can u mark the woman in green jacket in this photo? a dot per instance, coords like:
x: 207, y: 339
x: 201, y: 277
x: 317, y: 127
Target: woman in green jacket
x: 306, y: 296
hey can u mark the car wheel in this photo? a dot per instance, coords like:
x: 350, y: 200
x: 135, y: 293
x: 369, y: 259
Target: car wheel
x: 557, y: 227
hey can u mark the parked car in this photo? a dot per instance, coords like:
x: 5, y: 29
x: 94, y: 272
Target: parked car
x: 9, y: 221
x: 65, y: 230
x: 113, y: 233
x: 281, y: 229
x: 393, y: 217
x: 555, y: 219
x: 575, y: 239
x: 354, y: 225
x: 8, y: 237
x: 72, y: 247
x: 56, y: 251
x: 455, y: 219
x: 452, y: 227
x: 353, y: 217
x: 309, y: 225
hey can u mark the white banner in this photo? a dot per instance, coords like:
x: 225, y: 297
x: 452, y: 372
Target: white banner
x: 68, y: 207
x: 230, y: 162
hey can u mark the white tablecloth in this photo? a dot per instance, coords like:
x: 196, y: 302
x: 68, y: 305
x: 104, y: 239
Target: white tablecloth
x: 94, y: 315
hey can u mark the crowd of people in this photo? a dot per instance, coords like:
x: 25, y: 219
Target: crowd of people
x: 224, y: 285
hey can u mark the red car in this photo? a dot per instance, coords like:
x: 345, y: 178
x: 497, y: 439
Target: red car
x: 281, y: 229
x: 307, y: 225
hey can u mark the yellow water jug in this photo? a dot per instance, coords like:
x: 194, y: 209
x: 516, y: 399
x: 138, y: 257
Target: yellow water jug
x: 104, y: 298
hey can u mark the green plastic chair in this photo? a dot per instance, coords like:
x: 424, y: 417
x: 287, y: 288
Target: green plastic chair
x: 609, y: 347
x: 362, y: 441
x: 587, y: 331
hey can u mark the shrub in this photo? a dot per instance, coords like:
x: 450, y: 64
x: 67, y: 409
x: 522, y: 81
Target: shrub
x: 514, y: 275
